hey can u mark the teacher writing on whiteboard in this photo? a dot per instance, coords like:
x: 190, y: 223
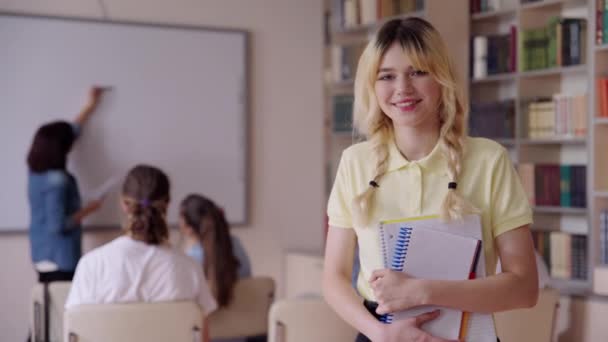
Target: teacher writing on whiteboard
x: 56, y: 212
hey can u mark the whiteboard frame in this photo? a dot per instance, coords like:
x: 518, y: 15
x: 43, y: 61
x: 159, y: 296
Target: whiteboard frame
x: 245, y: 133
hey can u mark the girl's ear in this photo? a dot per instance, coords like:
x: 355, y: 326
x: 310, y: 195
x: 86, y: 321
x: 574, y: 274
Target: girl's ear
x: 123, y: 204
x: 189, y: 231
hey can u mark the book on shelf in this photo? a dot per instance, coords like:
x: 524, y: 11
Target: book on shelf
x: 565, y: 254
x: 603, y: 237
x: 602, y: 96
x: 344, y: 60
x: 348, y: 14
x: 554, y: 185
x: 560, y: 116
x: 494, y: 54
x: 601, y: 22
x: 482, y: 6
x: 494, y: 120
x: 561, y: 42
x: 342, y: 113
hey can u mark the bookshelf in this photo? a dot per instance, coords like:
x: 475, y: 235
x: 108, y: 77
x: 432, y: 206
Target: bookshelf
x: 527, y: 86
x: 599, y: 138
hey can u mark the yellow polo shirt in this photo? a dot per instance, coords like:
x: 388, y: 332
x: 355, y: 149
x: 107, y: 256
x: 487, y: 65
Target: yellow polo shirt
x: 411, y: 189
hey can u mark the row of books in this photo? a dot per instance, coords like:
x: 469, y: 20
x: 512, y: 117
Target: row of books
x: 342, y: 112
x: 481, y: 6
x: 560, y: 43
x: 344, y: 60
x: 604, y: 236
x: 494, y: 54
x: 494, y: 120
x: 565, y: 254
x: 601, y: 20
x: 554, y: 185
x: 602, y: 96
x: 348, y: 14
x: 562, y: 116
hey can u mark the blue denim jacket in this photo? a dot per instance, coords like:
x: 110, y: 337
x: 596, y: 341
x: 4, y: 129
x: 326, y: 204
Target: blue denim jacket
x: 198, y: 253
x: 54, y: 198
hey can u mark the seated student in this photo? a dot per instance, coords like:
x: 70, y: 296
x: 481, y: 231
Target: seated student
x: 209, y: 242
x: 140, y: 266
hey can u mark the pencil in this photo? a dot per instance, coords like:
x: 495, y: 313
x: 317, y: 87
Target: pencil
x: 465, y: 315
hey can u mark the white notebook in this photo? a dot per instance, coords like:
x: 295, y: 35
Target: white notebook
x: 429, y: 248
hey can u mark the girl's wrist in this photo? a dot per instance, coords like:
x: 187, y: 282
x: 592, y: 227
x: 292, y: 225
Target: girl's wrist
x: 376, y: 332
x: 426, y: 292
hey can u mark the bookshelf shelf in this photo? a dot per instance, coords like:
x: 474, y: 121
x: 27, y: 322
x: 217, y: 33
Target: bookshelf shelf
x: 369, y: 28
x: 493, y: 14
x: 343, y: 87
x: 554, y: 71
x: 554, y: 141
x: 543, y: 228
x: 495, y: 78
x: 559, y: 210
x: 572, y: 287
x: 603, y: 47
x: 600, y: 121
x: 344, y: 135
x: 542, y: 4
x: 600, y: 194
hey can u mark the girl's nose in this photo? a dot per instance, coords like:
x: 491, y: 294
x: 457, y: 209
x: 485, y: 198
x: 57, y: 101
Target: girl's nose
x: 404, y: 85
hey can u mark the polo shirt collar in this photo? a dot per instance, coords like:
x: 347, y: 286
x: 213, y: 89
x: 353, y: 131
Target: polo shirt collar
x: 396, y: 160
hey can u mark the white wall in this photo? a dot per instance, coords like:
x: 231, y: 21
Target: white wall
x: 286, y: 148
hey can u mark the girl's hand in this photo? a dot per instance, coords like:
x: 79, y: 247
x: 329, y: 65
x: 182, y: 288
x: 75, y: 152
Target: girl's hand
x: 396, y: 291
x: 408, y: 330
x: 95, y: 94
x: 94, y: 205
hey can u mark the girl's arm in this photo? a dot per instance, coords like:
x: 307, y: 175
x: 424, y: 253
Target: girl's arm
x: 337, y: 288
x: 94, y: 98
x: 340, y: 295
x: 516, y: 287
x: 85, y: 211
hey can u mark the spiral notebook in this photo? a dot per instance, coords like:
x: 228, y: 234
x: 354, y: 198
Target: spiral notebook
x: 429, y: 248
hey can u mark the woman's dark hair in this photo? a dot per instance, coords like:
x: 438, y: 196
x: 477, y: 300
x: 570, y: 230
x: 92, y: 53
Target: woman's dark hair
x: 220, y: 264
x: 50, y: 147
x: 146, y: 196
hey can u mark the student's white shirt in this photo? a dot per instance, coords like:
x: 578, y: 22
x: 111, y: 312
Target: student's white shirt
x: 126, y: 270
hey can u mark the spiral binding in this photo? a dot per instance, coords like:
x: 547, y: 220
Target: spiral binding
x: 401, y: 246
x: 400, y: 252
x: 383, y: 246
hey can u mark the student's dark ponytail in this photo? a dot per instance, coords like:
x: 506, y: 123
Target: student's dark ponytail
x: 146, y: 197
x: 220, y: 264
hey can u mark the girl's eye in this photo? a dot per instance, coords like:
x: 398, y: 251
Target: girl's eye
x: 417, y: 73
x: 385, y: 77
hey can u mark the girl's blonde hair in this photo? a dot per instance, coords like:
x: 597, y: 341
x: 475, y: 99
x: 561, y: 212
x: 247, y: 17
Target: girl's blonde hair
x: 427, y: 51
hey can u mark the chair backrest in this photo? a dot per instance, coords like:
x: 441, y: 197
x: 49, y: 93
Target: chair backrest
x: 534, y: 324
x: 307, y: 319
x: 150, y: 322
x: 247, y: 314
x: 58, y: 293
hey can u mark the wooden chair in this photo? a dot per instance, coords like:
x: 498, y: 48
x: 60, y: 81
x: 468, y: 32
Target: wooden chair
x: 247, y: 314
x: 149, y: 322
x: 307, y: 319
x: 54, y: 303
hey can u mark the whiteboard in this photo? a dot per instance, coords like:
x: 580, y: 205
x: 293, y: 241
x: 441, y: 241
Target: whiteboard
x: 178, y: 102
